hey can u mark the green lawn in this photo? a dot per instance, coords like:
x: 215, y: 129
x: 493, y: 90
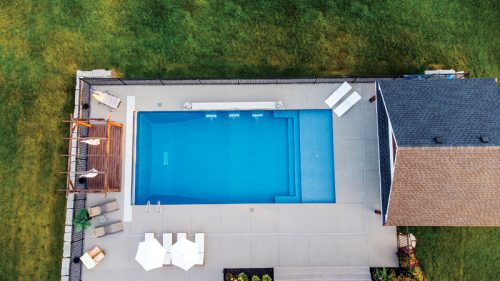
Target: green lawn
x: 43, y: 42
x: 458, y: 253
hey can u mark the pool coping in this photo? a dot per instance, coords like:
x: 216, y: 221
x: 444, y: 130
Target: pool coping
x: 296, y: 151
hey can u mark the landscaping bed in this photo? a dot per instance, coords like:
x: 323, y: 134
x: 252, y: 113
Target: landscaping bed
x: 409, y: 267
x: 248, y: 274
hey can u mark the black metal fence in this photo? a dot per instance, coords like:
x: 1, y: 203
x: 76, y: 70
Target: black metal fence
x: 237, y: 81
x: 77, y: 238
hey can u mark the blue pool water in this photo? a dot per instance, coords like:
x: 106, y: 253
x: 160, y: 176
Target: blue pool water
x: 225, y: 157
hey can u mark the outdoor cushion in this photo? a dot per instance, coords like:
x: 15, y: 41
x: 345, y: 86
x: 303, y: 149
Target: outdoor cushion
x: 108, y: 229
x: 347, y: 104
x: 103, y: 208
x: 338, y: 94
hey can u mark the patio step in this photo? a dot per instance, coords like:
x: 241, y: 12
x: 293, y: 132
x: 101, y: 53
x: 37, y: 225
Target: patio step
x: 331, y: 273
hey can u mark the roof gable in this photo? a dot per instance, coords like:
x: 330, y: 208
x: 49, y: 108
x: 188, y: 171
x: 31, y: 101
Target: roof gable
x: 459, y: 110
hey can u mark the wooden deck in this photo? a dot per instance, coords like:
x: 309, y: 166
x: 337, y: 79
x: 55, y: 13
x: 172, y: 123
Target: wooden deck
x: 111, y: 165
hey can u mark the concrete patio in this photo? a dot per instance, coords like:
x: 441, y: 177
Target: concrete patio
x: 347, y: 233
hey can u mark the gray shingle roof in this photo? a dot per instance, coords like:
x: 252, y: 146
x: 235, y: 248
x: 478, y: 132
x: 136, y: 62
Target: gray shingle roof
x: 459, y: 110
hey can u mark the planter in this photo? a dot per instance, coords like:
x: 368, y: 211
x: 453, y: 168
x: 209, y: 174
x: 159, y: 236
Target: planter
x: 85, y: 106
x: 82, y: 180
x: 249, y: 272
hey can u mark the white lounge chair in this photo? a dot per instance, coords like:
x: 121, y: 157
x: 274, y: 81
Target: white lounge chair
x: 106, y: 99
x: 181, y: 236
x: 347, y: 104
x: 199, y: 240
x: 167, y: 245
x: 149, y: 236
x: 338, y: 94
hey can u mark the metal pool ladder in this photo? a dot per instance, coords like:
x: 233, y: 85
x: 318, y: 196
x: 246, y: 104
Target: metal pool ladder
x: 158, y: 207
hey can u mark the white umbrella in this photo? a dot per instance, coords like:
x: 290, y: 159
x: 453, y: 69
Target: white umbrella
x: 92, y: 141
x: 92, y: 173
x: 150, y: 254
x: 184, y: 254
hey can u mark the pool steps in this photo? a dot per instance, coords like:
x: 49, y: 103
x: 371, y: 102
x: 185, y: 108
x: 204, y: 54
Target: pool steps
x: 295, y: 193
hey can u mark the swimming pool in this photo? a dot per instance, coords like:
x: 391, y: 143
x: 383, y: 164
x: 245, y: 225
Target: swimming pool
x: 228, y: 157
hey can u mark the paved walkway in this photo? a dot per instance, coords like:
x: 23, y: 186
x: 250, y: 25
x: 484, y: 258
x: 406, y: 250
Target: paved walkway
x: 347, y: 233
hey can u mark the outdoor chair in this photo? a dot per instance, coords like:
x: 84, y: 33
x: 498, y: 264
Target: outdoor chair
x: 107, y: 229
x: 106, y: 99
x: 167, y: 245
x: 338, y: 94
x: 103, y: 208
x: 199, y: 240
x: 347, y: 104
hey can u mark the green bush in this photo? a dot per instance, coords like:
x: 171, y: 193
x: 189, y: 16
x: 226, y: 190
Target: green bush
x: 381, y: 274
x: 243, y: 277
x: 255, y: 278
x: 266, y: 277
x: 82, y: 220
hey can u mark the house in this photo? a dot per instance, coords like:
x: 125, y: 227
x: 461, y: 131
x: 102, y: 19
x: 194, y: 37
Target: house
x: 439, y: 144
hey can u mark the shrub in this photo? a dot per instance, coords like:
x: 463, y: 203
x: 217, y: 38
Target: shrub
x: 255, y: 278
x: 229, y: 277
x: 418, y: 274
x: 266, y: 277
x: 382, y: 274
x: 403, y: 278
x: 410, y: 266
x: 407, y: 259
x: 242, y: 277
x: 82, y: 220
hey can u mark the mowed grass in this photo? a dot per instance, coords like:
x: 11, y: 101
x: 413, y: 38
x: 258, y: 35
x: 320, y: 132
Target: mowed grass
x: 43, y: 42
x: 458, y: 253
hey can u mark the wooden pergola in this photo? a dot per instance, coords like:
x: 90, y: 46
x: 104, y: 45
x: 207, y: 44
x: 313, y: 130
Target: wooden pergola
x: 104, y: 157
